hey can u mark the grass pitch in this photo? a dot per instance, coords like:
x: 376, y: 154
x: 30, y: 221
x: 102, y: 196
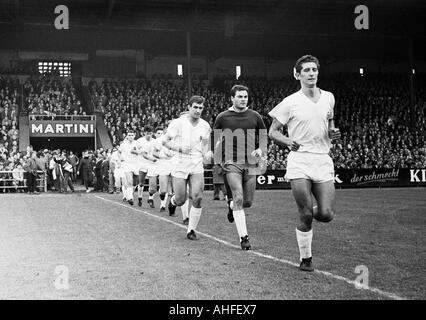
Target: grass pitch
x: 110, y: 250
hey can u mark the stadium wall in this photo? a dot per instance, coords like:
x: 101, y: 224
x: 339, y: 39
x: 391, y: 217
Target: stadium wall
x: 361, y: 178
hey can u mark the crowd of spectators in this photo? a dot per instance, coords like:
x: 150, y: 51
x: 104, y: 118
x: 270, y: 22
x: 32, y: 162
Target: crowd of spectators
x: 9, y: 132
x: 51, y: 95
x: 130, y: 103
x: 53, y: 170
x: 373, y: 113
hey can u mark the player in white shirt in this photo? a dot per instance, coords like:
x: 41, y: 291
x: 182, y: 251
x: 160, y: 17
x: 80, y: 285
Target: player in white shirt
x: 119, y: 176
x: 145, y: 159
x: 308, y: 113
x: 161, y: 169
x: 129, y: 163
x: 189, y: 136
x: 116, y: 170
x: 166, y: 177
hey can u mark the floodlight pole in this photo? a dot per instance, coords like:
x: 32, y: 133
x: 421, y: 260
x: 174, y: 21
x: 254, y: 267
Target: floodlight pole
x: 188, y: 62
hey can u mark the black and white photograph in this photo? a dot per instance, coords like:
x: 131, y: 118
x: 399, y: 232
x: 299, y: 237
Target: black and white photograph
x: 212, y: 155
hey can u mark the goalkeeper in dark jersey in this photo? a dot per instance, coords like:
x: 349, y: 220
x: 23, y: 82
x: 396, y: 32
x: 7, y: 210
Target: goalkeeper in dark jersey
x: 240, y: 140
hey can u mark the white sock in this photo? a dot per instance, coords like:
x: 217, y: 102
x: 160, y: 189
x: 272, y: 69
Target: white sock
x: 172, y: 200
x: 130, y: 193
x: 185, y: 209
x: 231, y: 205
x: 194, y: 217
x: 304, y: 240
x: 163, y: 202
x: 240, y: 223
x: 140, y: 191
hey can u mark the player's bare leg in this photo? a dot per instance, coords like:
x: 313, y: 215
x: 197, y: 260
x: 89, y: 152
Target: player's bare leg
x: 153, y: 185
x: 325, y: 196
x: 141, y: 179
x: 249, y: 187
x: 170, y: 188
x: 129, y: 187
x: 185, y: 207
x: 164, y: 184
x: 179, y: 197
x: 301, y: 189
x: 196, y: 187
x: 229, y: 199
x: 235, y: 181
x: 123, y: 187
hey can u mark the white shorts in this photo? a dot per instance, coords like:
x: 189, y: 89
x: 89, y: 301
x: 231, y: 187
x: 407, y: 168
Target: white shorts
x: 143, y: 166
x: 182, y: 168
x: 130, y: 167
x: 160, y: 169
x: 152, y: 170
x: 119, y: 173
x: 317, y: 167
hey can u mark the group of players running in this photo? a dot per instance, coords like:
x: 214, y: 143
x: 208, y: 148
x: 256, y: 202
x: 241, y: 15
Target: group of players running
x: 177, y: 154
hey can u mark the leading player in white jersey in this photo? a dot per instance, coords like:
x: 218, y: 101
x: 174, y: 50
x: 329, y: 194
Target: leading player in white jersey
x: 308, y: 114
x: 189, y: 136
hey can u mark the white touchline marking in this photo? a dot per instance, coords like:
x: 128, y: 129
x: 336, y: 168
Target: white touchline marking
x: 266, y: 256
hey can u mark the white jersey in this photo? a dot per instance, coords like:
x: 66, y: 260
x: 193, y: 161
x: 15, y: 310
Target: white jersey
x: 144, y: 145
x: 114, y: 158
x: 307, y: 121
x: 164, y: 154
x: 185, y: 134
x: 125, y: 149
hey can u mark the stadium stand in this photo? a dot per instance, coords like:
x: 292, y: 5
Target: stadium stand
x: 51, y: 95
x: 372, y: 113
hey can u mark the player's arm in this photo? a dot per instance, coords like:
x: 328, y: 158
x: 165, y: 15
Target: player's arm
x: 275, y: 133
x: 137, y: 150
x: 120, y: 157
x: 261, y: 139
x: 159, y: 151
x: 156, y: 151
x: 217, y: 135
x: 168, y: 140
x: 148, y: 156
x: 333, y: 132
x: 206, y: 147
x: 170, y: 144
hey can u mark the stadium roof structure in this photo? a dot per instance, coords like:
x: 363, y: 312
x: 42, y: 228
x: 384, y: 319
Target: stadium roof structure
x: 263, y: 28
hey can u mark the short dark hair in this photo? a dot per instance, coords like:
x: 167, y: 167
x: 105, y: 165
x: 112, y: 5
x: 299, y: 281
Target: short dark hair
x: 238, y: 87
x: 159, y: 128
x: 196, y: 99
x: 304, y: 59
x: 148, y: 128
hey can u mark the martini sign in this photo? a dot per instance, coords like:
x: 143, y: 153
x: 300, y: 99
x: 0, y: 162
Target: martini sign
x: 62, y: 128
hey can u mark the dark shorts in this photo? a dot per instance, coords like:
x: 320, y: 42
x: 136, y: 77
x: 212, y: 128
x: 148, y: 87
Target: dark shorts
x: 242, y: 169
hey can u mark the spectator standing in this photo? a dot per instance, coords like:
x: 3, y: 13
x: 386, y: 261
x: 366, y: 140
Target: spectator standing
x: 74, y: 162
x: 86, y: 168
x: 30, y: 168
